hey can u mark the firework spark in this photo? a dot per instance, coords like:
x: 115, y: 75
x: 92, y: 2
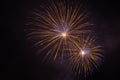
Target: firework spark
x: 86, y: 55
x: 58, y: 26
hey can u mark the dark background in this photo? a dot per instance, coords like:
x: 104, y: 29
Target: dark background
x: 18, y: 60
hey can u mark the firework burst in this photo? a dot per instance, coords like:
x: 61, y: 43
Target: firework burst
x: 57, y: 26
x: 86, y: 55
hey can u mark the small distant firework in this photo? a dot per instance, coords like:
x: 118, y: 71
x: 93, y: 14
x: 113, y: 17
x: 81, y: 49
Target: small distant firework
x: 58, y: 26
x: 86, y: 55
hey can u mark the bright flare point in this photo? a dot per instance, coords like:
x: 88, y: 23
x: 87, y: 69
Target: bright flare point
x: 83, y: 52
x: 64, y: 34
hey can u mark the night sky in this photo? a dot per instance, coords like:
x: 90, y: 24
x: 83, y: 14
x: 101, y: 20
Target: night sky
x: 18, y: 60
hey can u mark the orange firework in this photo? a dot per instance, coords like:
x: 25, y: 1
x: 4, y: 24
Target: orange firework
x: 56, y: 26
x: 86, y: 55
